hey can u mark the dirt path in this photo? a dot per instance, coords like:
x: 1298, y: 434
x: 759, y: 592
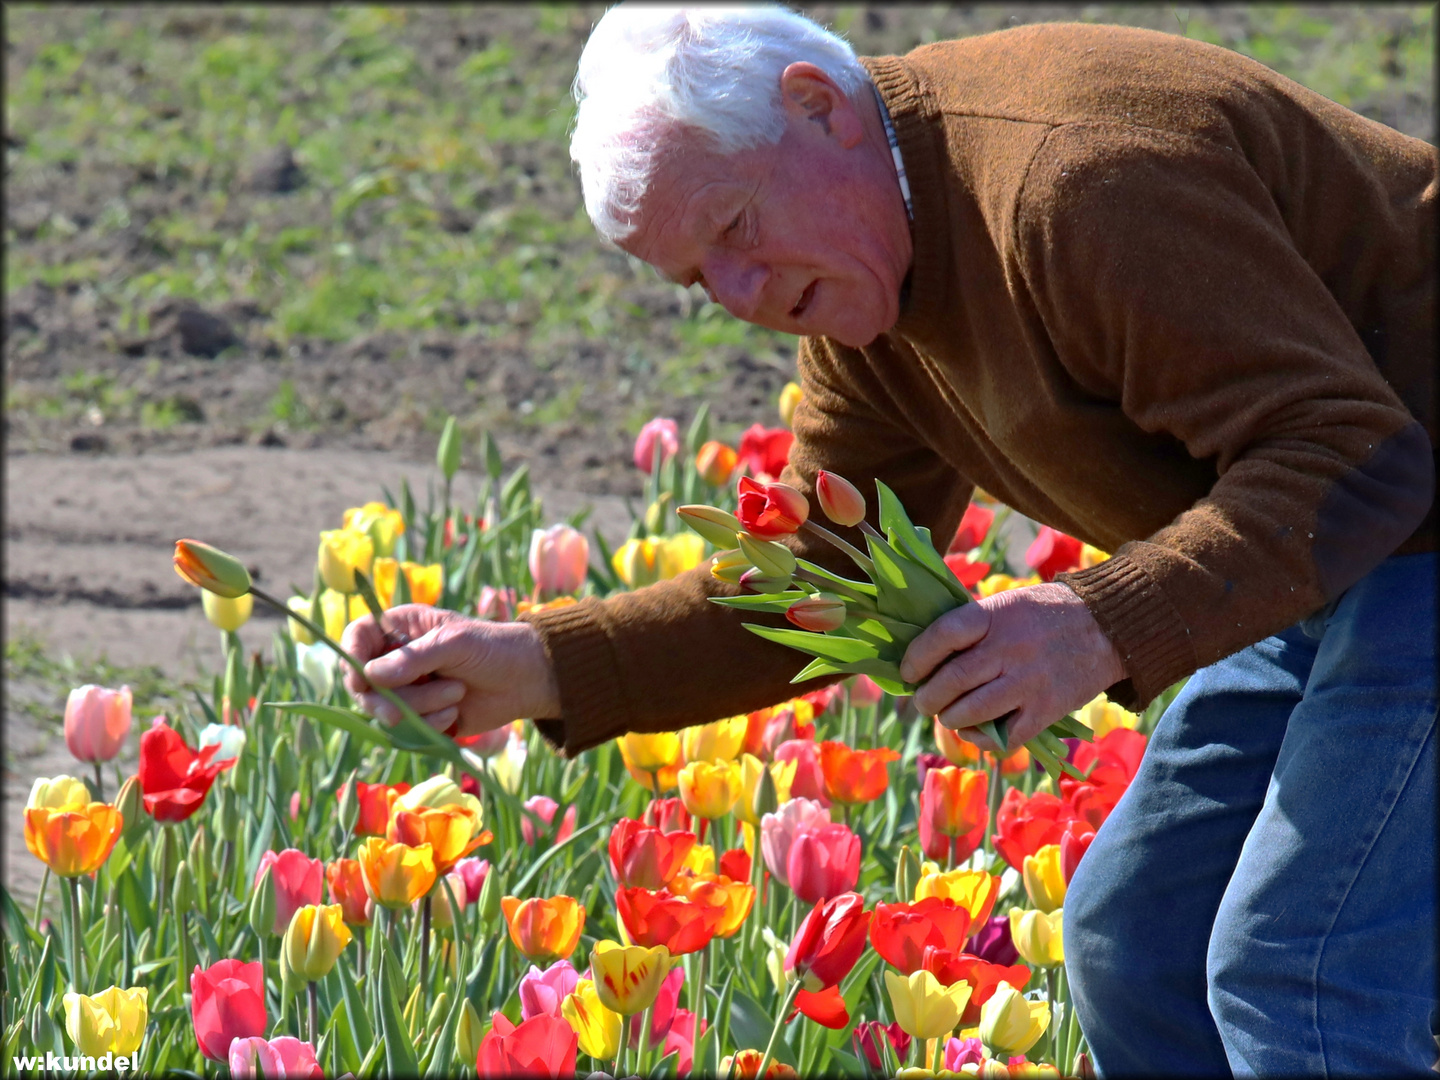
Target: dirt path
x: 88, y: 542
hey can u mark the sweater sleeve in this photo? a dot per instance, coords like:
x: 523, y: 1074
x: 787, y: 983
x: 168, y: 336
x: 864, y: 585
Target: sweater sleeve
x: 664, y: 657
x: 1165, y: 277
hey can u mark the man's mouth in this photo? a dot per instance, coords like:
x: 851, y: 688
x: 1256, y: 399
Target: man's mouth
x: 804, y: 301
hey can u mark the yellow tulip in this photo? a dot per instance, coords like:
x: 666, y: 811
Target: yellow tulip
x: 709, y: 789
x: 469, y: 1031
x: 751, y: 768
x: 1002, y: 582
x: 1044, y: 880
x: 700, y: 860
x: 341, y: 553
x: 1091, y: 556
x: 923, y: 1008
x: 628, y: 977
x: 597, y: 1026
x: 301, y: 605
x: 1103, y: 716
x: 790, y: 396
x: 637, y: 562
x: 652, y: 760
x: 226, y: 613
x: 544, y: 928
x: 1038, y: 936
x: 314, y: 940
x: 435, y: 792
x: 340, y: 609
x: 1010, y: 1024
x: 57, y: 793
x: 717, y: 741
x: 974, y: 890
x: 75, y: 839
x: 424, y: 582
x: 383, y: 524
x: 396, y: 875
x: 680, y: 553
x: 110, y: 1022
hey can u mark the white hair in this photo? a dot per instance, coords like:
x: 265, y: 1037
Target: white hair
x: 648, y: 68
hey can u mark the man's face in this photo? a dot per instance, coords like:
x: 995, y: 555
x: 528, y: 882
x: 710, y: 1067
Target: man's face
x: 808, y: 236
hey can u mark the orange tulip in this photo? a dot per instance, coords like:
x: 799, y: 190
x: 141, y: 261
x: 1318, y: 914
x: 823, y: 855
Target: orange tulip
x: 544, y: 928
x: 396, y: 875
x: 662, y: 918
x: 736, y: 898
x: 960, y: 751
x: 715, y: 462
x: 451, y: 831
x: 974, y: 890
x: 855, y: 776
x: 75, y: 839
x: 347, y: 888
x: 424, y: 582
x: 954, y: 810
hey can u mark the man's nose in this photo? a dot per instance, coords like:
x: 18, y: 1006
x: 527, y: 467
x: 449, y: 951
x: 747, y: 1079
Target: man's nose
x: 739, y: 285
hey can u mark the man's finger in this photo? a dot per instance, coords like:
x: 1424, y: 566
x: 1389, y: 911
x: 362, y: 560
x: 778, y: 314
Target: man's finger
x: 957, y: 629
x: 441, y: 719
x: 962, y: 673
x: 361, y: 639
x: 427, y: 654
x: 989, y: 702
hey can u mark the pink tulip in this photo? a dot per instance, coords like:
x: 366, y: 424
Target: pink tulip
x: 294, y: 805
x: 284, y: 1056
x: 664, y: 1011
x: 823, y: 862
x: 495, y: 604
x: 681, y: 1039
x: 661, y: 430
x: 544, y: 807
x: 298, y: 880
x: 778, y: 830
x: 960, y: 1052
x: 559, y: 559
x: 227, y: 1001
x: 863, y: 691
x: 96, y: 721
x: 809, y: 780
x: 472, y: 871
x: 541, y: 992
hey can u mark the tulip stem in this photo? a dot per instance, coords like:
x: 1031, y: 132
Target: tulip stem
x: 99, y: 784
x: 934, y: 1054
x: 995, y: 795
x: 645, y: 1027
x: 40, y: 896
x: 314, y: 1013
x: 73, y: 900
x: 1054, y: 1018
x: 857, y: 556
x: 425, y: 949
x: 779, y: 1023
x: 859, y: 599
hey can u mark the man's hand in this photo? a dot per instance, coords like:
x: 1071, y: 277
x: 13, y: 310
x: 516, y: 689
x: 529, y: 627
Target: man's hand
x: 1036, y: 651
x: 486, y: 673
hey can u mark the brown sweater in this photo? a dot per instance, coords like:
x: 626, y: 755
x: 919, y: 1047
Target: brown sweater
x: 1162, y: 299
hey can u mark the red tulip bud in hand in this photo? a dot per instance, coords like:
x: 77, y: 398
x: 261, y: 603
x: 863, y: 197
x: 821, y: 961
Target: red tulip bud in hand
x: 818, y: 613
x: 841, y: 500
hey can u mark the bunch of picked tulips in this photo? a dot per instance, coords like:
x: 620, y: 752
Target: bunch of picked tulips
x: 287, y: 887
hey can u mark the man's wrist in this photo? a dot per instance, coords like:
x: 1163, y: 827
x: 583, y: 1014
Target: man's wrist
x: 538, y: 675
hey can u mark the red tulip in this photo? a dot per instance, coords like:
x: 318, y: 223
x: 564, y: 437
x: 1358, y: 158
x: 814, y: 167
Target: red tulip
x: 829, y: 942
x: 1052, y: 552
x: 855, y: 776
x: 174, y: 778
x: 765, y: 451
x: 668, y: 815
x: 347, y: 888
x: 1115, y: 759
x: 974, y: 527
x: 1072, y: 850
x: 376, y: 801
x: 823, y: 862
x: 826, y: 1008
x: 984, y: 979
x: 839, y: 499
x: 867, y: 1038
x: 901, y: 933
x: 969, y: 573
x: 645, y: 857
x: 735, y: 864
x: 545, y: 808
x: 818, y: 614
x: 954, y: 810
x: 542, y: 1046
x: 1025, y: 825
x: 227, y: 1001
x: 297, y: 879
x: 659, y: 918
x: 770, y: 511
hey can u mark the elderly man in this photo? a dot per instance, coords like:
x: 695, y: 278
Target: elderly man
x: 1159, y: 297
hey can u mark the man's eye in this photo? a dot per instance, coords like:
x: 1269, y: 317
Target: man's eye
x: 734, y: 224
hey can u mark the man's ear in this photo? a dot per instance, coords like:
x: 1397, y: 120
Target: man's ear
x: 810, y: 94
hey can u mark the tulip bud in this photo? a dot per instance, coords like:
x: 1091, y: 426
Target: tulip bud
x: 715, y: 462
x: 755, y: 579
x: 730, y: 566
x: 469, y: 1030
x: 411, y: 1011
x: 349, y: 805
x: 304, y: 605
x: 491, y: 894
x: 229, y: 812
x: 494, y: 465
x: 447, y: 454
x: 438, y: 1011
x: 211, y: 569
x: 718, y: 526
x: 766, y: 799
x: 841, y: 500
x: 820, y: 613
x: 307, y: 741
x: 236, y: 692
x: 113, y: 913
x: 771, y: 558
x: 907, y: 873
x: 183, y: 892
x: 287, y: 767
x: 198, y: 859
x: 789, y: 398
x: 42, y: 1027
x: 656, y: 513
x: 261, y: 912
x: 130, y: 803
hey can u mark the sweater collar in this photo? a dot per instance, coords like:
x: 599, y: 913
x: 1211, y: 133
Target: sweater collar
x: 915, y: 122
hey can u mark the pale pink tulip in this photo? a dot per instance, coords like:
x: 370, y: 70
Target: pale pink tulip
x: 495, y: 604
x: 809, y: 780
x: 541, y: 992
x: 544, y: 808
x: 298, y: 880
x: 660, y: 430
x: 778, y: 831
x: 284, y: 1056
x: 96, y: 721
x: 863, y: 691
x: 559, y: 558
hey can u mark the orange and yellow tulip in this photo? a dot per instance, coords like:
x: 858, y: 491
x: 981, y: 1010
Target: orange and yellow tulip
x: 424, y: 582
x: 74, y: 839
x: 736, y: 898
x: 544, y: 928
x: 653, y: 760
x: 396, y: 875
x: 451, y: 831
x: 628, y: 977
x: 211, y: 569
x: 855, y: 776
x: 974, y: 890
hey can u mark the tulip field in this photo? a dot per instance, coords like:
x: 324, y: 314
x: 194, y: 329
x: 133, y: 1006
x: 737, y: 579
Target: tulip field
x: 831, y: 885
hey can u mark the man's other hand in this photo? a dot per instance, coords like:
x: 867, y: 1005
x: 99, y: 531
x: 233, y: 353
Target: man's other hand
x: 485, y: 673
x: 1036, y: 652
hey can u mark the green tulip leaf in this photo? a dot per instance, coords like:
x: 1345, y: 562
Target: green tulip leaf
x: 839, y: 649
x: 915, y: 543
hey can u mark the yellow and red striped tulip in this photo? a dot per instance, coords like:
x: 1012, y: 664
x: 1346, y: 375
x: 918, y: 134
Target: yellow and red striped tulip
x: 598, y: 1027
x: 628, y: 977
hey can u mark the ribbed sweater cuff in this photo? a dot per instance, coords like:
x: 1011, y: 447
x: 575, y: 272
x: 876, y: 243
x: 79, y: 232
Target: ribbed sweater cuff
x: 1140, y: 619
x: 591, y: 703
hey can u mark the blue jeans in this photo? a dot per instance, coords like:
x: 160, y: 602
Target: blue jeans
x: 1262, y: 899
